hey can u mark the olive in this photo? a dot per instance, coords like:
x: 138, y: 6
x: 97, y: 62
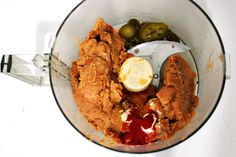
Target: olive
x: 134, y: 22
x: 153, y: 31
x: 127, y: 31
x: 171, y: 36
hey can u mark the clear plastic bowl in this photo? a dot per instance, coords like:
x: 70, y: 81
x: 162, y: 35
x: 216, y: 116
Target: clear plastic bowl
x: 184, y: 17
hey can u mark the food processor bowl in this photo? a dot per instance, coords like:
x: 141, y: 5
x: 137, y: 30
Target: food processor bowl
x: 184, y: 17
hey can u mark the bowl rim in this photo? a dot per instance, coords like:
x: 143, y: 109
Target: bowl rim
x: 152, y: 151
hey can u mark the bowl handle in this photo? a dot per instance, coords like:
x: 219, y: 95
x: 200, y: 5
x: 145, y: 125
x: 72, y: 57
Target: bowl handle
x: 33, y: 69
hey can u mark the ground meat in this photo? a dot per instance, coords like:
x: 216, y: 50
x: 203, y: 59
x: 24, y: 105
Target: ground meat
x: 150, y: 114
x: 96, y: 91
x: 176, y: 101
x: 173, y: 106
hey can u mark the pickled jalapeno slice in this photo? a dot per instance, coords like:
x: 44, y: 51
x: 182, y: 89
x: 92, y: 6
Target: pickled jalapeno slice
x: 127, y: 31
x: 135, y: 23
x: 153, y: 31
x: 129, y: 43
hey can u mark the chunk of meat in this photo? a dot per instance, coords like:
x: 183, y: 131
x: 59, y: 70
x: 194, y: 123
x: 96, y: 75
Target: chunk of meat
x: 179, y: 75
x: 96, y: 93
x: 176, y: 101
x: 166, y: 94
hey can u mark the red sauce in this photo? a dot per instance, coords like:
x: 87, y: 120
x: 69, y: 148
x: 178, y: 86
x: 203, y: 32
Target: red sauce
x: 139, y: 130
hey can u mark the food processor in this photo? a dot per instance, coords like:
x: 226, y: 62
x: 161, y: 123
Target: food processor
x: 184, y: 17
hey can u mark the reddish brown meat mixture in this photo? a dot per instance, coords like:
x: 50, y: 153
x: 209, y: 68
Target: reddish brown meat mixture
x: 93, y: 77
x: 150, y: 115
x: 175, y: 102
x: 173, y: 105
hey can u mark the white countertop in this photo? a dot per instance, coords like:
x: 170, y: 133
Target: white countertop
x: 31, y: 123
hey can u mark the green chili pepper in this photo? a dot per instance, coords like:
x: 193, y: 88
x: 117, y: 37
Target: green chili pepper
x: 127, y: 31
x: 153, y: 31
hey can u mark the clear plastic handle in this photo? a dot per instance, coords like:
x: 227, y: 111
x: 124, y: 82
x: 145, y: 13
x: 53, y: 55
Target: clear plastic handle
x: 33, y: 69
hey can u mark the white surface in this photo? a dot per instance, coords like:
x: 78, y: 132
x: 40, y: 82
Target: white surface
x: 31, y: 124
